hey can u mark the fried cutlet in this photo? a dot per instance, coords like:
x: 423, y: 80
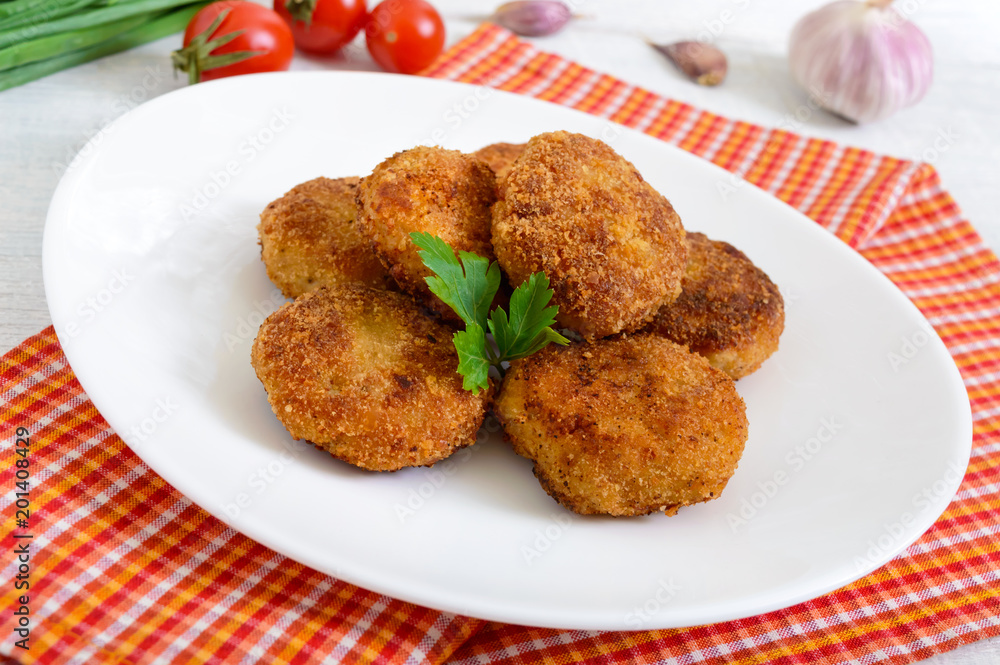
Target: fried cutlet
x: 612, y: 247
x: 499, y: 156
x: 442, y: 192
x: 309, y: 238
x: 366, y: 375
x: 629, y: 425
x: 728, y: 311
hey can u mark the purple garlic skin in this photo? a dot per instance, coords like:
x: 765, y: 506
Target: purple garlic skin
x: 861, y: 60
x: 532, y: 18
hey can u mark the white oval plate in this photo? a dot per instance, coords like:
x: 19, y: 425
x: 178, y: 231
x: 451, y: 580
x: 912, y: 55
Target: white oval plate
x: 156, y: 289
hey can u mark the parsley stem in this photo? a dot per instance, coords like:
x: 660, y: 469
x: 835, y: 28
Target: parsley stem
x: 468, y: 283
x: 494, y: 357
x: 491, y: 354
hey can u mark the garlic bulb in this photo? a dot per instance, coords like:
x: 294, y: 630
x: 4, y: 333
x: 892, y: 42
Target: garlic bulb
x: 861, y: 60
x: 532, y: 18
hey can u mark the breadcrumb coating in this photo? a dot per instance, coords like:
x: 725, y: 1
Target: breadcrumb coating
x: 499, y: 157
x: 729, y: 310
x: 612, y: 247
x: 629, y: 425
x: 309, y: 238
x: 433, y: 190
x: 364, y: 374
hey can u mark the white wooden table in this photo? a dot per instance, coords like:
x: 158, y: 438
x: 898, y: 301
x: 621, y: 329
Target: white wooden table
x: 43, y: 124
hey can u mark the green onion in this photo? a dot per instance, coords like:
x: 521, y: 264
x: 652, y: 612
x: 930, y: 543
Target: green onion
x: 53, y: 45
x: 87, y: 19
x: 52, y: 10
x: 19, y: 7
x: 153, y: 28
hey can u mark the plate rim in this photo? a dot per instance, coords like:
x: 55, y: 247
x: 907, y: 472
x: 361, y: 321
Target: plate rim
x: 587, y: 621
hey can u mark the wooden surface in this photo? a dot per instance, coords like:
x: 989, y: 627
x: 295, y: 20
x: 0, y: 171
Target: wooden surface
x: 44, y: 124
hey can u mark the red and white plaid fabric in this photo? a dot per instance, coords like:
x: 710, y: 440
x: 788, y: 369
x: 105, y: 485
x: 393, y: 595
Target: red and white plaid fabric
x: 123, y: 569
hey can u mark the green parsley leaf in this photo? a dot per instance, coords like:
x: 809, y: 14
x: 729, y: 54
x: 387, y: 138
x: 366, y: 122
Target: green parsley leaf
x: 473, y: 364
x: 468, y: 286
x: 528, y: 329
x: 467, y: 283
x: 542, y: 340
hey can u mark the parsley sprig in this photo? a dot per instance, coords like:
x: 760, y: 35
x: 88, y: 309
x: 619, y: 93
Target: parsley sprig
x: 467, y: 284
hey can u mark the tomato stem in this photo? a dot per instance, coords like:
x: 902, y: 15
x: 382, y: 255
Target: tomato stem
x: 197, y: 57
x: 301, y: 10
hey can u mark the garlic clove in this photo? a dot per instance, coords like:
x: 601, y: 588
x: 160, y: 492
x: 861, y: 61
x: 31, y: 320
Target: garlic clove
x: 861, y: 60
x: 703, y: 63
x: 532, y: 18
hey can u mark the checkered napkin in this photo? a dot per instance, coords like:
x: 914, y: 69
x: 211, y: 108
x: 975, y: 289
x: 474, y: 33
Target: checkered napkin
x: 124, y: 569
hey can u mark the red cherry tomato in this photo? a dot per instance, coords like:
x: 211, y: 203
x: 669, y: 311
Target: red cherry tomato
x: 404, y: 36
x: 263, y: 30
x: 323, y: 26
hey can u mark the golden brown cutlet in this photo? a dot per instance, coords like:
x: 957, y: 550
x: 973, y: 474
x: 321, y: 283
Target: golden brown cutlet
x: 628, y: 425
x: 309, y: 238
x: 499, y: 156
x: 442, y: 192
x: 366, y: 375
x: 729, y: 310
x: 612, y: 247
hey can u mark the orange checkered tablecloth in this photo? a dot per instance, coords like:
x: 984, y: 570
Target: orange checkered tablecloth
x: 124, y: 569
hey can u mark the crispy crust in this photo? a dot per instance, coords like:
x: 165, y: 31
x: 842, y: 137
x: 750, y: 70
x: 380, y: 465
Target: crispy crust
x: 729, y: 310
x: 499, y: 156
x: 624, y: 426
x: 309, y: 238
x: 365, y: 375
x: 443, y: 192
x: 611, y: 245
